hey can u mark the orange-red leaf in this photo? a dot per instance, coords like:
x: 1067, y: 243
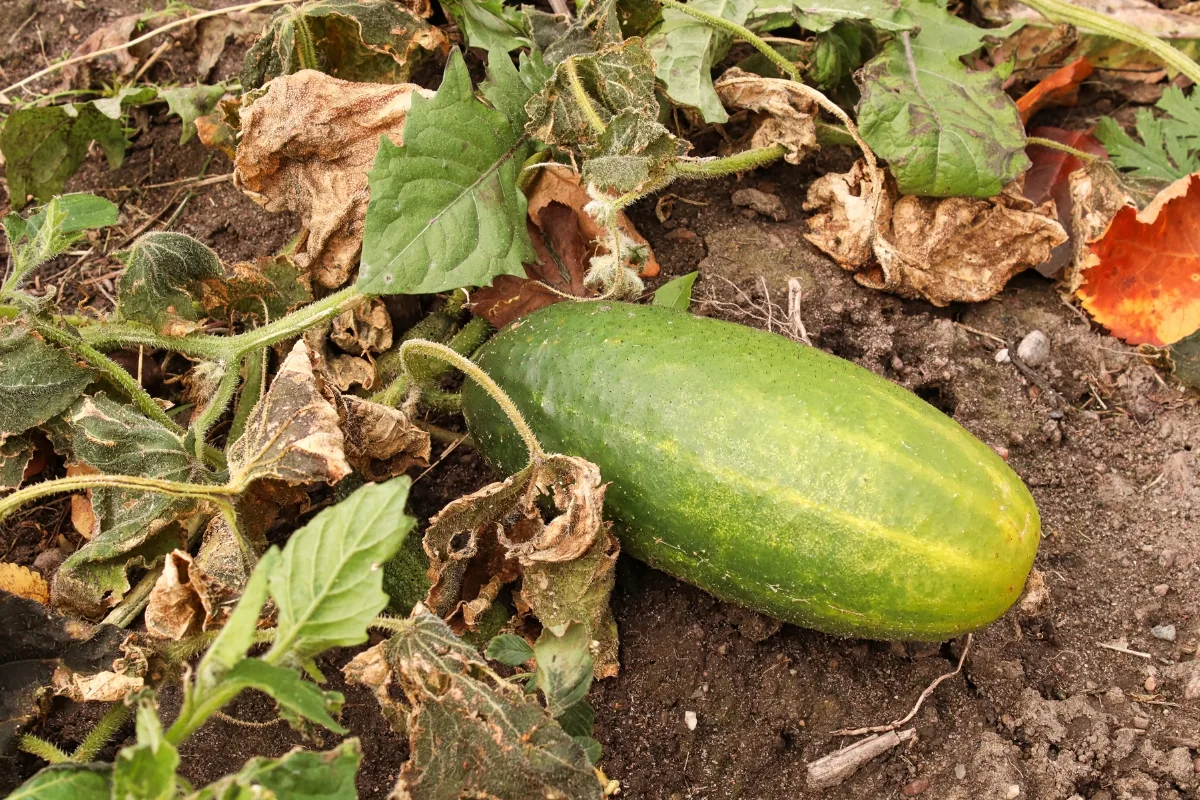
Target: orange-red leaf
x: 1047, y: 178
x: 1060, y: 88
x: 1142, y: 280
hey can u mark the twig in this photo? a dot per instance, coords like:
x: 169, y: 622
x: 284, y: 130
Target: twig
x: 982, y: 333
x: 133, y: 42
x: 442, y: 457
x: 891, y: 726
x: 795, y: 297
x: 829, y: 771
x: 1116, y: 648
x: 157, y: 54
x: 12, y: 36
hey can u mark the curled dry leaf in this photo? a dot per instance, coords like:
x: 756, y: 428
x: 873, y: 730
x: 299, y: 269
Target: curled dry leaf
x: 783, y: 115
x: 1142, y: 278
x: 101, y: 687
x: 173, y: 610
x: 565, y: 239
x: 366, y: 328
x: 122, y: 62
x: 293, y: 432
x: 370, y: 668
x: 483, y: 541
x: 1049, y: 179
x: 941, y: 249
x: 350, y: 371
x: 473, y: 734
x: 306, y: 146
x: 381, y: 442
x: 1060, y: 88
x: 213, y: 34
x: 23, y: 582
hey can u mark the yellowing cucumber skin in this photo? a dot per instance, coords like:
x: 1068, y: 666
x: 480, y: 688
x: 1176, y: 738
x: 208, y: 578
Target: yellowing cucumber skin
x: 770, y: 474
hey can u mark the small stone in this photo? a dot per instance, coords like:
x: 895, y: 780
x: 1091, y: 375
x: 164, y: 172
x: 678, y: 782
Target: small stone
x: 722, y: 649
x: 1196, y: 766
x: 1012, y: 791
x: 1034, y: 349
x: 1164, y: 632
x: 1162, y: 589
x: 682, y: 235
x: 769, y: 205
x: 1166, y: 559
x: 960, y: 771
x: 1150, y: 684
x: 914, y: 788
x: 1002, y: 356
x: 689, y: 719
x: 1141, y: 723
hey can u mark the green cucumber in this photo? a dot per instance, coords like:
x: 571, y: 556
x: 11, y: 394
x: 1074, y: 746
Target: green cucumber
x: 770, y: 474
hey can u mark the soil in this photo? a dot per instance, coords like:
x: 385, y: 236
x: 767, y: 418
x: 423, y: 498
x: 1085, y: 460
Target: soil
x: 1106, y: 442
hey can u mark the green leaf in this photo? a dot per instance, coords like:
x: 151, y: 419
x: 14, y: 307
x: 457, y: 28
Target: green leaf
x: 578, y: 720
x: 68, y: 782
x: 564, y: 662
x: 265, y: 289
x: 190, y: 103
x: 887, y: 15
x: 15, y: 454
x: 944, y: 130
x: 839, y: 52
x: 37, y: 380
x: 294, y: 694
x: 146, y: 770
x: 677, y: 292
x: 162, y: 271
x: 591, y: 747
x: 135, y: 528
x: 298, y: 775
x: 1170, y: 145
x: 597, y: 25
x: 49, y: 231
x: 368, y: 41
x: 469, y: 737
x: 43, y: 147
x: 488, y: 24
x: 1185, y: 360
x: 509, y: 88
x: 685, y: 50
x: 328, y: 586
x: 445, y: 210
x: 510, y: 649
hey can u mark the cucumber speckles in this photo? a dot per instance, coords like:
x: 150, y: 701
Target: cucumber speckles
x: 770, y: 474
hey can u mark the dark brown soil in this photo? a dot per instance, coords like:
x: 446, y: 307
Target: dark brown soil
x: 1041, y: 709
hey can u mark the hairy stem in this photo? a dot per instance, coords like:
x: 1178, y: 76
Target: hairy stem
x: 465, y: 342
x: 1053, y: 145
x: 306, y: 51
x: 217, y: 405
x: 739, y: 162
x: 252, y: 391
x: 100, y: 735
x: 42, y: 749
x: 77, y: 483
x: 581, y: 97
x: 419, y: 347
x: 1062, y: 11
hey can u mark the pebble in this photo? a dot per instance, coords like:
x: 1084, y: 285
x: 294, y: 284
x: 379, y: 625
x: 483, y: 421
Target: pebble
x: 1002, y: 356
x: 769, y: 205
x: 1162, y: 589
x: 960, y: 771
x: 914, y: 788
x: 1012, y: 791
x: 1164, y: 632
x: 1151, y: 684
x: 689, y: 719
x: 1141, y: 723
x: 1196, y: 766
x: 1034, y: 349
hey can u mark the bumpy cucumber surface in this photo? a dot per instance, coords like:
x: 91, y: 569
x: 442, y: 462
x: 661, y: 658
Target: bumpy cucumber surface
x: 770, y: 474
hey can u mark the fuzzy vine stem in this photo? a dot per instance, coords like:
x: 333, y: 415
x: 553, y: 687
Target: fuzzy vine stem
x: 78, y: 483
x: 465, y: 342
x: 1059, y: 11
x: 421, y: 347
x: 1064, y: 148
x: 785, y: 66
x: 105, y: 336
x: 100, y: 735
x: 43, y: 749
x: 581, y: 97
x: 113, y: 371
x: 306, y: 51
x: 217, y: 405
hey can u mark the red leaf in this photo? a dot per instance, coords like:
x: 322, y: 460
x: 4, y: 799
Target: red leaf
x: 1142, y: 280
x: 1060, y: 88
x: 1048, y: 176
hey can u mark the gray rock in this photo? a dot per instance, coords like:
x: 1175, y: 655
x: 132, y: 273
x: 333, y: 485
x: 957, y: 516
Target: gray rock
x: 1034, y: 349
x: 1164, y: 632
x: 769, y: 205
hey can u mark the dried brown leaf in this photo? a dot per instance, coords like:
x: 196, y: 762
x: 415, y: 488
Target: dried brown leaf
x: 122, y: 62
x: 306, y: 146
x: 483, y: 541
x: 101, y: 687
x: 1097, y: 194
x: 218, y: 130
x: 783, y: 115
x: 366, y: 328
x: 174, y: 610
x: 350, y: 371
x: 23, y: 582
x: 942, y: 249
x: 380, y: 441
x: 370, y: 668
x: 292, y: 434
x: 200, y: 385
x: 213, y: 34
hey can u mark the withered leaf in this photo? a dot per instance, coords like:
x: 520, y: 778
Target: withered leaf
x: 174, y: 611
x: 366, y: 328
x: 381, y: 441
x: 370, y: 668
x: 306, y: 146
x: 350, y: 371
x: 16, y: 453
x: 122, y: 62
x: 162, y: 270
x: 784, y: 114
x: 293, y: 432
x: 942, y: 249
x: 483, y: 541
x: 473, y: 736
x: 23, y: 582
x: 263, y: 290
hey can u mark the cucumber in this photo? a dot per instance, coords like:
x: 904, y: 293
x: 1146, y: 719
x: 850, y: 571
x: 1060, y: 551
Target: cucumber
x: 770, y: 474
